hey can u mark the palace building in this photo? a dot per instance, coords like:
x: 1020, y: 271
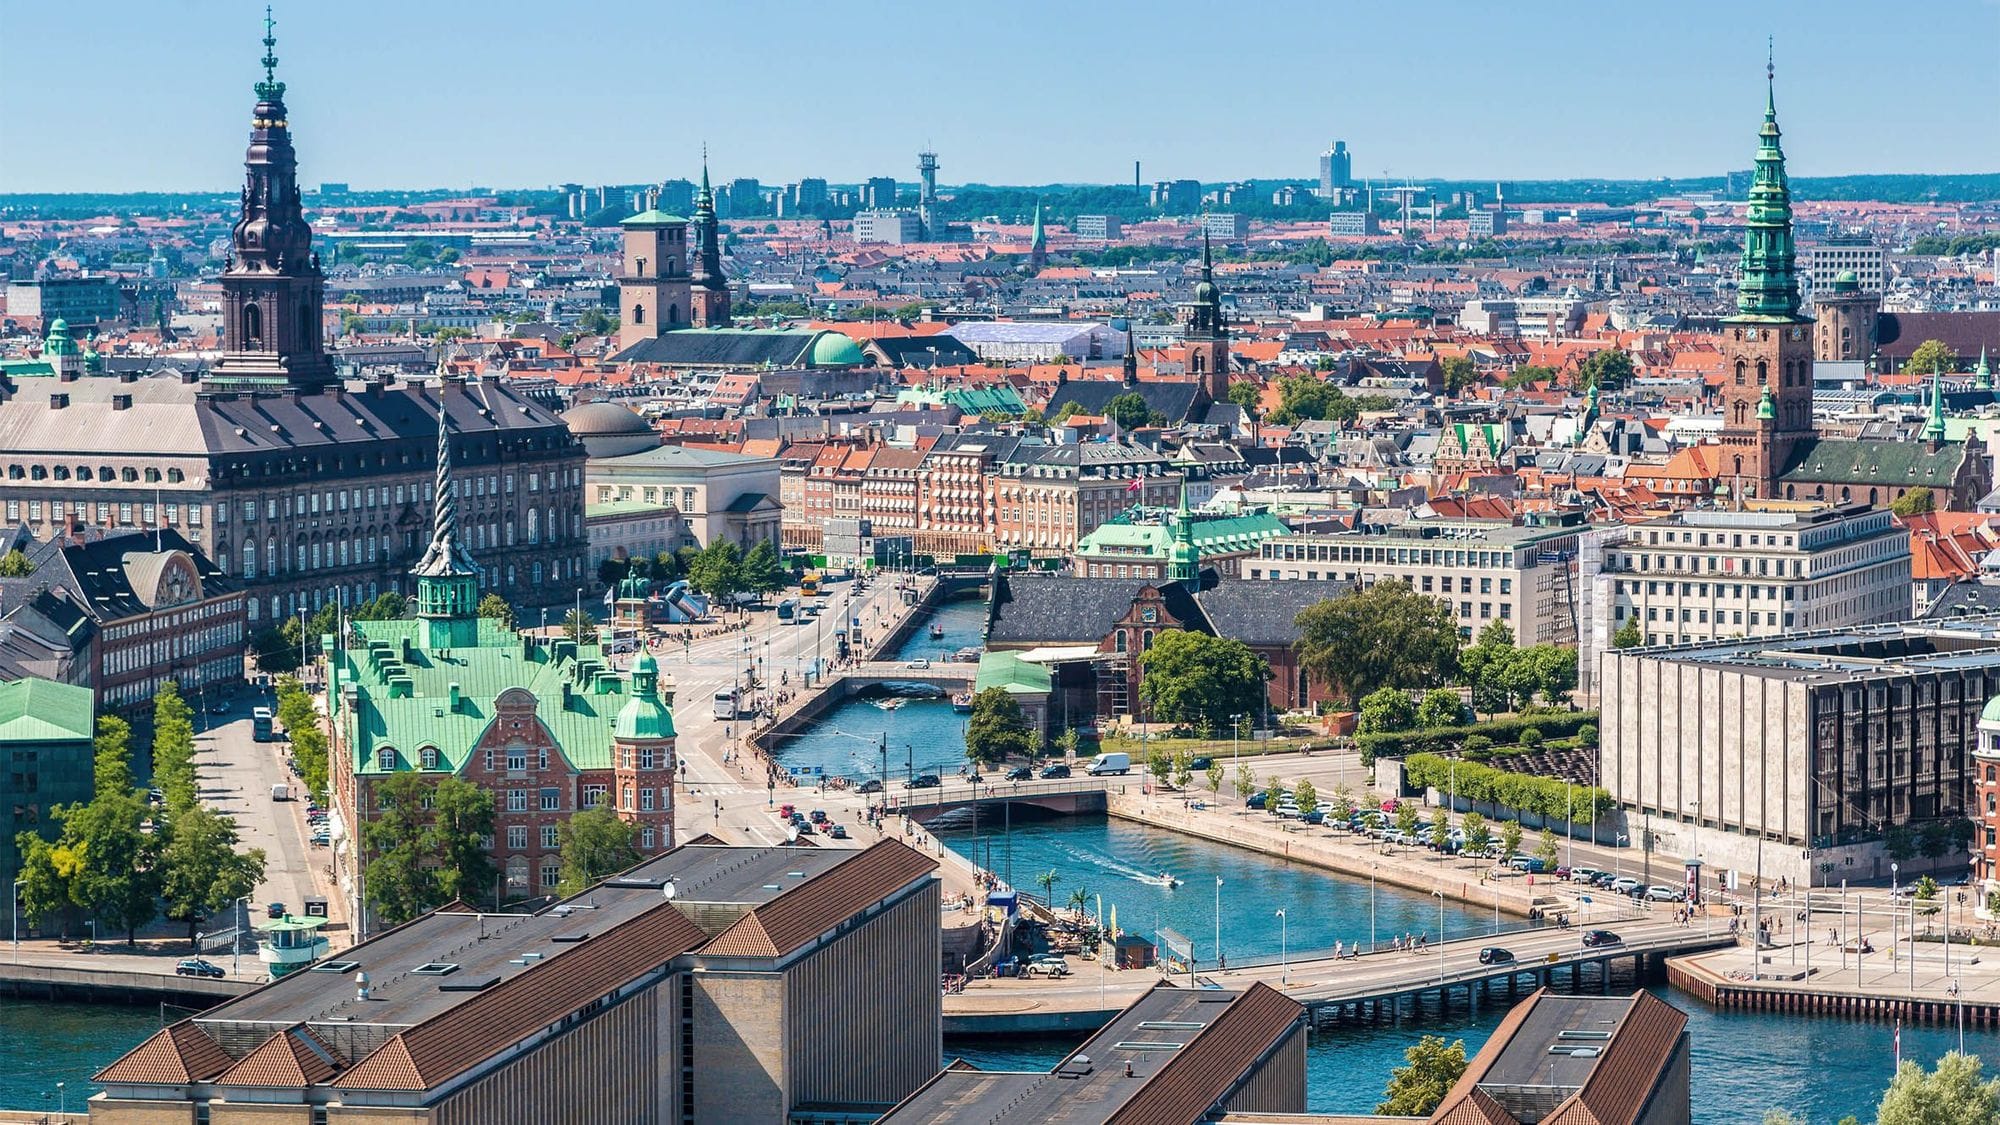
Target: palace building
x: 303, y: 490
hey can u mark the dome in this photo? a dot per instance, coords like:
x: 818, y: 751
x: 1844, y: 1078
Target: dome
x: 1992, y: 712
x: 1205, y: 293
x: 831, y: 349
x: 1847, y: 282
x: 645, y: 665
x: 610, y: 430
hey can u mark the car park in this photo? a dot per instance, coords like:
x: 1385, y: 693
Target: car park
x: 1606, y: 878
x: 1494, y: 955
x: 1255, y: 800
x: 197, y: 967
x: 1317, y: 816
x: 320, y: 840
x: 1596, y: 938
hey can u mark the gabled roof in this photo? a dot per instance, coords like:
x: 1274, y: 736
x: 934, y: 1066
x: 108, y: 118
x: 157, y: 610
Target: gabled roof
x: 1199, y: 1076
x: 35, y: 710
x: 1890, y: 464
x: 785, y: 924
x: 172, y: 1056
x: 297, y: 1057
x: 1175, y: 399
x: 1044, y: 609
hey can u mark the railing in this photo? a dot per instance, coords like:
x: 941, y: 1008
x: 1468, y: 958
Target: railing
x: 1485, y: 972
x: 997, y: 791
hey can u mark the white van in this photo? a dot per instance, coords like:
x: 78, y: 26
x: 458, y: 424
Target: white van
x: 1116, y: 762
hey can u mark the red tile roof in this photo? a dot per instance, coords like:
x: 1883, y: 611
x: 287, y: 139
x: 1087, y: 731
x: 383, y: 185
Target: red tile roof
x: 1201, y: 1073
x: 293, y: 1059
x: 172, y: 1056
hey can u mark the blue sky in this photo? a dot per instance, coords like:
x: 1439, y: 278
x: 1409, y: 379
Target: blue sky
x: 114, y: 95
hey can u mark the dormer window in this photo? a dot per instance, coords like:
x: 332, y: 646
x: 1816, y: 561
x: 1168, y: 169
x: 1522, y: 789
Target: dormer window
x: 385, y: 759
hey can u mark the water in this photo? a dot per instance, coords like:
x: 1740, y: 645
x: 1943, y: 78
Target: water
x: 1743, y: 1063
x: 964, y: 621
x: 50, y: 1043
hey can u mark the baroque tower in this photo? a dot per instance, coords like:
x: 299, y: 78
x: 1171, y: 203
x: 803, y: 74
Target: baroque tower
x: 447, y: 578
x: 1767, y: 344
x: 271, y: 287
x: 708, y: 290
x: 1206, y: 335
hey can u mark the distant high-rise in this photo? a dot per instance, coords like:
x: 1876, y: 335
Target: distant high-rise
x: 674, y: 195
x: 1177, y: 197
x: 808, y: 196
x: 1336, y: 170
x: 927, y: 166
x: 745, y: 198
x: 879, y: 193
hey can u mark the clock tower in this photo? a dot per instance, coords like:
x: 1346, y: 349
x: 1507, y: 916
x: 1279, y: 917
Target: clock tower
x: 1767, y: 345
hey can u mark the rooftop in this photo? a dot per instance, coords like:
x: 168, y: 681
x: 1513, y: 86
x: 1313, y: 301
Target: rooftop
x: 1841, y: 655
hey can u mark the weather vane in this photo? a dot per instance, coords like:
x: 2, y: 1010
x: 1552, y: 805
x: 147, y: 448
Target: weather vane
x: 270, y: 89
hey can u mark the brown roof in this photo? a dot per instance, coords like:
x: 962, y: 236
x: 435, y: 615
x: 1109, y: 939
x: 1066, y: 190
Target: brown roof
x: 296, y: 1058
x: 463, y: 1036
x: 1460, y: 1106
x: 1633, y: 1064
x: 172, y: 1056
x: 787, y: 922
x: 1218, y: 1057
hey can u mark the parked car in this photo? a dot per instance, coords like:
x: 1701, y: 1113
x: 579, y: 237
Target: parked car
x: 1600, y: 938
x: 805, y: 828
x: 1533, y: 865
x: 924, y: 781
x: 1054, y: 770
x: 320, y: 840
x: 838, y: 831
x: 872, y: 785
x: 1287, y: 806
x: 1256, y: 800
x: 196, y: 967
x: 1494, y: 955
x: 1317, y: 816
x: 1582, y: 875
x: 1625, y: 884
x: 1048, y: 965
x: 1021, y: 773
x: 1664, y: 894
x: 1606, y: 878
x: 817, y: 816
x: 1200, y: 764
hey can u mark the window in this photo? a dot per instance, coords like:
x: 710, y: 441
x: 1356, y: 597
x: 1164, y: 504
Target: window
x: 625, y: 798
x: 429, y: 757
x: 542, y: 758
x: 488, y: 761
x: 385, y: 759
x: 517, y: 800
x: 517, y: 759
x: 517, y: 836
x: 646, y: 800
x: 646, y: 838
x: 551, y: 800
x: 551, y: 875
x: 593, y: 796
x: 551, y: 836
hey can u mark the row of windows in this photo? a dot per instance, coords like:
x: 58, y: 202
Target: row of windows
x: 128, y: 474
x: 128, y: 514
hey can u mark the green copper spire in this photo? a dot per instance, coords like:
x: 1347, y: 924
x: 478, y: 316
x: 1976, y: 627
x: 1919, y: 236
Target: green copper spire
x: 648, y: 715
x: 1982, y: 375
x: 447, y: 578
x: 1767, y: 411
x: 270, y: 89
x: 1769, y: 289
x: 1040, y: 239
x: 59, y: 342
x: 1934, y: 428
x: 1183, y: 559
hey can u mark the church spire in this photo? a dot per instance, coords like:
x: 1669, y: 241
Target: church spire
x: 270, y: 89
x: 1768, y: 290
x: 708, y: 297
x: 1131, y: 358
x: 1184, y: 558
x: 1934, y: 426
x: 1982, y: 375
x: 1038, y: 242
x: 447, y: 578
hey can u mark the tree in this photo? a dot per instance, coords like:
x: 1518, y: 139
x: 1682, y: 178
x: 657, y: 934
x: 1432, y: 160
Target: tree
x: 1047, y: 880
x: 1527, y: 375
x: 1246, y: 782
x: 1306, y: 796
x: 1440, y: 828
x: 718, y: 570
x: 1607, y: 370
x: 1189, y: 677
x: 1407, y: 818
x: 1914, y: 502
x: 1069, y: 742
x: 1183, y: 771
x: 1953, y: 1094
x: 1159, y: 763
x: 579, y: 625
x: 1485, y: 666
x: 595, y: 844
x: 997, y: 729
x: 1441, y: 708
x: 1129, y: 411
x: 1343, y: 803
x: 111, y: 762
x: 1510, y: 840
x: 1931, y: 355
x: 1459, y: 372
x: 1386, y: 709
x: 1215, y: 778
x: 762, y: 571
x: 1432, y: 1069
x: 493, y: 607
x: 116, y: 882
x: 14, y: 564
x: 1384, y: 636
x: 461, y: 822
x: 426, y: 845
x: 1546, y: 850
x: 1555, y: 672
x: 1246, y: 396
x: 201, y: 870
x: 1477, y: 835
x: 1628, y: 635
x: 1274, y: 793
x: 173, y: 748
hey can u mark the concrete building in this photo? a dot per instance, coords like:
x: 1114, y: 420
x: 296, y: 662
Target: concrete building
x: 879, y: 193
x: 1177, y: 197
x: 720, y: 495
x: 1336, y: 170
x: 633, y: 529
x: 45, y: 741
x: 1098, y: 227
x: 1486, y: 222
x: 78, y: 300
x: 709, y: 984
x: 1773, y: 569
x: 1817, y: 744
x: 888, y: 226
x: 1482, y: 571
x: 1353, y: 223
x: 1225, y: 226
x: 1040, y: 341
x: 1856, y: 254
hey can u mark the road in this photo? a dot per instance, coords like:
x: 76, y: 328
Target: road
x: 236, y: 774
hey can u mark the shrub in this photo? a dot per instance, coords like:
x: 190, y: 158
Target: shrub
x: 1531, y: 737
x: 1544, y: 796
x: 1586, y: 735
x: 1398, y: 744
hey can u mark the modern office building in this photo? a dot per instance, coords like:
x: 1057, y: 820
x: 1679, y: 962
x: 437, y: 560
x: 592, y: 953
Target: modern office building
x: 1177, y: 197
x: 1483, y: 222
x: 1098, y: 227
x: 1225, y: 226
x: 1483, y: 571
x: 1773, y: 568
x: 1353, y: 224
x: 82, y: 301
x: 879, y: 193
x: 888, y: 226
x: 707, y: 985
x: 1856, y: 253
x: 1814, y: 744
x: 1336, y: 170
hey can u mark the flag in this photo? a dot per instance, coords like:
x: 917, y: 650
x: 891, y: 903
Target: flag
x: 1136, y: 482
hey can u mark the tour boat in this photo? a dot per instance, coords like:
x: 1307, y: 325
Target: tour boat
x: 962, y: 702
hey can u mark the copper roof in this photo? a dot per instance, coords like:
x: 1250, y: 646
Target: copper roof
x: 172, y: 1056
x: 296, y: 1058
x: 465, y: 1035
x: 787, y: 922
x: 1214, y: 1061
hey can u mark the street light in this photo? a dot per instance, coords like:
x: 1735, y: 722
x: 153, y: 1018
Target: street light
x: 1218, y: 923
x: 1284, y: 950
x: 1440, y: 898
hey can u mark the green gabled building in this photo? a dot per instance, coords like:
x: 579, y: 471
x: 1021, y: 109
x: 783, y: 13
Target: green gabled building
x: 548, y: 727
x: 1140, y: 543
x: 45, y: 739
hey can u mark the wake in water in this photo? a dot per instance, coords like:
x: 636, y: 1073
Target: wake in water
x: 1150, y: 878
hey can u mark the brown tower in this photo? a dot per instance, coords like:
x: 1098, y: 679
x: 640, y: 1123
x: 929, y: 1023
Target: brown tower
x: 708, y: 291
x: 1767, y: 384
x: 1207, y: 335
x: 271, y: 287
x: 1844, y: 317
x: 653, y: 285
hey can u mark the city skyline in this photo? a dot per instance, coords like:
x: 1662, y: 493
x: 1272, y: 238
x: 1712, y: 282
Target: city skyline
x: 515, y: 116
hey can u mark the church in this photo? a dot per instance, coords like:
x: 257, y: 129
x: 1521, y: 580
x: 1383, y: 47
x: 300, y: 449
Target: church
x: 1769, y: 447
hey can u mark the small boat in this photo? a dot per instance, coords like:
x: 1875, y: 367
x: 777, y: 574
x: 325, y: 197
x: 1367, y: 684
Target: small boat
x: 962, y: 702
x: 889, y: 704
x: 1162, y: 880
x: 937, y: 632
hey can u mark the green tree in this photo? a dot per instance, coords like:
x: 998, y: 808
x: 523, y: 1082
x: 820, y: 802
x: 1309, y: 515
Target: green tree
x: 1384, y: 636
x: 1128, y: 410
x: 1440, y: 828
x: 1246, y: 396
x: 1407, y: 818
x: 997, y: 729
x: 400, y: 885
x: 1189, y: 677
x: 1953, y: 1094
x: 1608, y: 370
x: 1183, y: 771
x: 579, y: 625
x: 49, y: 870
x: 1274, y: 792
x: 1527, y: 375
x: 111, y: 757
x: 1047, y: 880
x: 1555, y: 672
x: 173, y: 748
x: 1441, y: 708
x: 1386, y: 709
x: 1215, y: 777
x: 1306, y: 796
x: 1343, y: 803
x: 461, y: 822
x: 14, y: 564
x: 1628, y: 635
x: 1486, y: 666
x: 1510, y: 840
x: 1069, y: 742
x: 718, y: 570
x: 1546, y: 850
x: 1246, y: 782
x: 762, y: 571
x: 595, y: 844
x: 1931, y: 355
x: 1477, y: 835
x: 1914, y: 502
x: 493, y: 607
x: 202, y: 870
x: 1459, y: 372
x: 1431, y: 1069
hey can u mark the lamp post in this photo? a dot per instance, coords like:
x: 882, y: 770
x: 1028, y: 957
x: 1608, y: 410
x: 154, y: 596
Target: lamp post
x: 1440, y: 898
x: 1284, y: 950
x: 236, y: 943
x: 1218, y: 923
x: 62, y: 1097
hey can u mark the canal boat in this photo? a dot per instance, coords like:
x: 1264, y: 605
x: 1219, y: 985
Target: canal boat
x: 962, y: 702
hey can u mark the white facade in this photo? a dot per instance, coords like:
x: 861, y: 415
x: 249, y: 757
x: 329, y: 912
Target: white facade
x: 888, y: 226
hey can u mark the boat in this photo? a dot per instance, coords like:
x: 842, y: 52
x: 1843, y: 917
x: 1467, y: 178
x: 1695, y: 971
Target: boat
x: 889, y: 704
x: 1161, y: 880
x: 962, y: 702
x: 937, y: 631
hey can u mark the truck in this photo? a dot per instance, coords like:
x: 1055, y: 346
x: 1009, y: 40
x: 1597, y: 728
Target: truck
x: 1115, y: 762
x: 281, y: 792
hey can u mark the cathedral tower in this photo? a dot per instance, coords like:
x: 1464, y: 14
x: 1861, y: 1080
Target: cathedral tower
x: 271, y: 288
x: 653, y: 281
x: 708, y: 289
x: 1206, y: 335
x: 1767, y: 344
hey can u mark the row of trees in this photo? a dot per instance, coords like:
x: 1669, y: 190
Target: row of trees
x: 122, y: 860
x: 1545, y: 797
x: 718, y: 570
x: 1505, y: 678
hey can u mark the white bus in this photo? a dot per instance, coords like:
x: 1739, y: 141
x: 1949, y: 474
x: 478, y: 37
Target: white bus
x: 726, y: 704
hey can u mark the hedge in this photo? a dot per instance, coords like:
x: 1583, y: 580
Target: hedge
x: 1544, y: 796
x: 1402, y: 743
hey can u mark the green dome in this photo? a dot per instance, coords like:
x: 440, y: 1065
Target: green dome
x: 59, y: 341
x: 832, y: 349
x: 644, y: 716
x: 1847, y: 282
x: 1992, y: 712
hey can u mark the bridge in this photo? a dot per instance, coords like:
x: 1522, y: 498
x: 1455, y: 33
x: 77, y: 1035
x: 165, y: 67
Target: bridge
x: 947, y: 675
x: 1387, y: 985
x: 1062, y: 795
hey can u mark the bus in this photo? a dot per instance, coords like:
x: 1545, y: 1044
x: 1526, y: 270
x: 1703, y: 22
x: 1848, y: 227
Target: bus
x: 726, y: 704
x: 809, y: 584
x: 788, y: 609
x: 260, y: 723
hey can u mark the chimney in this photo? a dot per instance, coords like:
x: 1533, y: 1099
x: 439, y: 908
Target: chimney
x: 453, y: 695
x: 121, y: 402
x: 128, y: 376
x: 58, y: 401
x: 361, y: 986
